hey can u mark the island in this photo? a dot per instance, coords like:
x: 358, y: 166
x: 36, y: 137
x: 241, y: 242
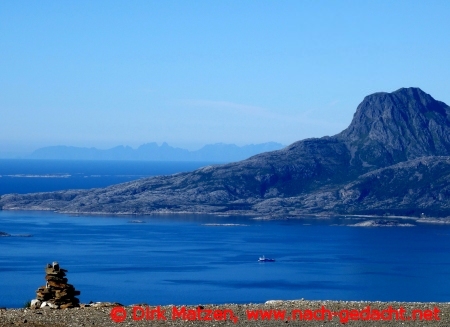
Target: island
x: 392, y: 160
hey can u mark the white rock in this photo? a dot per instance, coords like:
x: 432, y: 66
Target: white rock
x: 105, y: 304
x: 35, y: 304
x: 52, y: 305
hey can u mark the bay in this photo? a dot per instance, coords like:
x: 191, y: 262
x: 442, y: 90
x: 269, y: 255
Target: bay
x: 192, y: 259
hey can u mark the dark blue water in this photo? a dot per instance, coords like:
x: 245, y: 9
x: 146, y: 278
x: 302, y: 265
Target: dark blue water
x: 177, y: 259
x: 27, y: 176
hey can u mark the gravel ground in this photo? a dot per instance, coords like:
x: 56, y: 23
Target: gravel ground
x: 438, y: 314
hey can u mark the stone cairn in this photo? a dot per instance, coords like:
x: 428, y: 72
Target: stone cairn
x: 57, y: 293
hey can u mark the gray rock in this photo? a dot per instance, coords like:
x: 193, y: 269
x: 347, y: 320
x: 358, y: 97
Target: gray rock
x: 392, y: 159
x: 381, y: 223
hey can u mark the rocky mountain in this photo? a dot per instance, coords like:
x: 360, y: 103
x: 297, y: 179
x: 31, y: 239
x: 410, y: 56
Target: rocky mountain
x: 394, y: 158
x: 218, y: 152
x: 392, y: 127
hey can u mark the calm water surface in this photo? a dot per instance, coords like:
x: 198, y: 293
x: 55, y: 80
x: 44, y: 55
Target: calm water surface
x: 27, y: 176
x: 177, y: 259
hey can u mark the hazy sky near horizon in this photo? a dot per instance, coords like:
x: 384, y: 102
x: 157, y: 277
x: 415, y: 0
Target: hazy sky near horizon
x: 106, y: 73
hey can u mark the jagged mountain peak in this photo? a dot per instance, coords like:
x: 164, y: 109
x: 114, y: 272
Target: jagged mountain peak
x: 398, y: 126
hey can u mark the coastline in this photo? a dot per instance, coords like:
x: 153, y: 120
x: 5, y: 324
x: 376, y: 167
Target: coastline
x: 100, y: 314
x: 257, y: 216
x: 250, y: 215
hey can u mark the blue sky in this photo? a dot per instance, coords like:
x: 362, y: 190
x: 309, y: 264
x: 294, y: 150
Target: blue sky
x: 106, y: 73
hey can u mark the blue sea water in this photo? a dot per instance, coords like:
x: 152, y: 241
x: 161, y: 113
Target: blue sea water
x: 27, y: 176
x: 193, y: 259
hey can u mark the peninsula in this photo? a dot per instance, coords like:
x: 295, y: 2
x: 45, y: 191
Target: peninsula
x: 393, y: 159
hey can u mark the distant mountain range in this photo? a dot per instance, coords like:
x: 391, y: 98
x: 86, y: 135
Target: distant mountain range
x: 393, y: 159
x: 218, y: 152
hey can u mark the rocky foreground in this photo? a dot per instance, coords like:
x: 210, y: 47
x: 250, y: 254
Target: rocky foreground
x: 433, y: 314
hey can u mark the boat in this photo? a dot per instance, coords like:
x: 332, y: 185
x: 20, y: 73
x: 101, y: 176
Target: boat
x: 264, y: 259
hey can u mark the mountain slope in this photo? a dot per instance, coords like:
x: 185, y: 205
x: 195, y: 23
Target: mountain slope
x: 387, y: 138
x: 392, y: 127
x: 407, y: 188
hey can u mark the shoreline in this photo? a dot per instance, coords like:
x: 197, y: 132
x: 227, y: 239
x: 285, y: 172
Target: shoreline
x: 227, y: 214
x: 100, y: 314
x: 250, y: 215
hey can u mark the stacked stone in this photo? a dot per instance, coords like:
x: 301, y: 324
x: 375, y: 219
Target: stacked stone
x: 56, y: 293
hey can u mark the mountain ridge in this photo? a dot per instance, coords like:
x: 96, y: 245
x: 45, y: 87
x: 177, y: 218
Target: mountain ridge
x: 368, y: 168
x: 219, y: 152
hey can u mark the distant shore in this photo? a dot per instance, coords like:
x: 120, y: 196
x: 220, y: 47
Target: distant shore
x: 251, y: 215
x: 371, y: 313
